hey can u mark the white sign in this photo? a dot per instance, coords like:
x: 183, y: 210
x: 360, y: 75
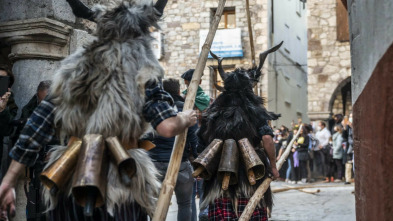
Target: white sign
x: 226, y: 43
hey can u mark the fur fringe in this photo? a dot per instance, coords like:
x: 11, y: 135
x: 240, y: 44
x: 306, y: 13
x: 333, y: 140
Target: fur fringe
x: 144, y: 188
x: 213, y: 190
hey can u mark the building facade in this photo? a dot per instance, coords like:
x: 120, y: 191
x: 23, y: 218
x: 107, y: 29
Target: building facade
x: 283, y: 85
x: 329, y: 64
x: 184, y: 27
x: 287, y: 78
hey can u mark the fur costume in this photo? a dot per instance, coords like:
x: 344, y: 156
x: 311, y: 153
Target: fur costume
x: 143, y: 190
x: 236, y: 113
x: 100, y: 89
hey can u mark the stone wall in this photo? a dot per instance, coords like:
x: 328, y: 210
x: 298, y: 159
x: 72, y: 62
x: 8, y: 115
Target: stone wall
x: 182, y: 22
x: 328, y: 59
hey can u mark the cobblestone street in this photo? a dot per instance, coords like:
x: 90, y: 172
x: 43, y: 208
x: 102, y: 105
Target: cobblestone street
x: 331, y: 203
x: 334, y: 202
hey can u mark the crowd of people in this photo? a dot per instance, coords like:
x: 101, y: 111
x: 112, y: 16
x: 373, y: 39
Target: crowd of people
x: 318, y: 151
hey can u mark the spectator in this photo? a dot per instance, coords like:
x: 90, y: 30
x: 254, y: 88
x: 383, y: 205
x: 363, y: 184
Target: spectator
x: 302, y: 144
x: 313, y: 144
x: 338, y: 152
x: 293, y: 156
x: 348, y: 139
x: 322, y: 135
x: 8, y: 110
x: 202, y: 101
x: 27, y: 110
x: 283, y: 142
x: 35, y: 208
x: 337, y: 119
x: 162, y: 152
x: 277, y: 139
x: 329, y: 167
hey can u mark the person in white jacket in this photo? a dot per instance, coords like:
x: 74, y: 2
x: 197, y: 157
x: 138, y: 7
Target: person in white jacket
x: 323, y: 135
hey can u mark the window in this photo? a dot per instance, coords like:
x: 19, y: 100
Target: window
x: 342, y: 22
x: 299, y: 8
x: 228, y: 19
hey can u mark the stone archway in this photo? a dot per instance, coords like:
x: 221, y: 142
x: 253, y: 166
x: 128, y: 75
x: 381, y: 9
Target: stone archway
x: 340, y: 101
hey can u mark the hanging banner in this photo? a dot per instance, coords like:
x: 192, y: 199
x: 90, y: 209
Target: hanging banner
x: 227, y: 43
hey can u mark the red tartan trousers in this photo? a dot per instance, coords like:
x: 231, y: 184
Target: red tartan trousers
x: 222, y: 210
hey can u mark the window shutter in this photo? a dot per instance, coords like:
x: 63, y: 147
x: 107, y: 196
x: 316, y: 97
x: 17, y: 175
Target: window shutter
x: 342, y: 22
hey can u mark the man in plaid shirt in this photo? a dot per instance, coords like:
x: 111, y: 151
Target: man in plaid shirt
x: 40, y: 130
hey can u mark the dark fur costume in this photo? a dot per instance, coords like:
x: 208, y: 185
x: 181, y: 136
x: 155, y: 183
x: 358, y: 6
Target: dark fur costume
x: 236, y: 113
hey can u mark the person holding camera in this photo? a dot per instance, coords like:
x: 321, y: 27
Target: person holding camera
x: 8, y: 108
x: 8, y: 111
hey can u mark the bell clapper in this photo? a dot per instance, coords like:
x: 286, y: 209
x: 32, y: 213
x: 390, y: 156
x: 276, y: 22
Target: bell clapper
x: 251, y: 177
x: 225, y: 180
x: 198, y: 171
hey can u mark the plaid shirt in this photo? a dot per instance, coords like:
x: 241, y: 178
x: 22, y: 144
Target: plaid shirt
x: 40, y: 129
x: 222, y: 210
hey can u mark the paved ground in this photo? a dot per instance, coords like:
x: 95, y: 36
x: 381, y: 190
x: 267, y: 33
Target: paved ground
x: 334, y: 202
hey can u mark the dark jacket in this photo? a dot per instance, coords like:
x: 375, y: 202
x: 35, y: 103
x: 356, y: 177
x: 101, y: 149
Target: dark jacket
x: 27, y: 110
x: 304, y: 146
x: 163, y: 150
x: 6, y: 116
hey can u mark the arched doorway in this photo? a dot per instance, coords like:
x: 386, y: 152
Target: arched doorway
x: 341, y: 100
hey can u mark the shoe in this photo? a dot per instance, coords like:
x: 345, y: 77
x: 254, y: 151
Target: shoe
x: 337, y: 181
x: 287, y: 180
x: 332, y: 179
x: 347, y: 183
x: 326, y: 180
x: 292, y: 182
x: 301, y: 182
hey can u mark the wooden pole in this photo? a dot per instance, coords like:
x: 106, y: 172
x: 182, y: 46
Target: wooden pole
x: 300, y: 188
x: 285, y: 155
x: 251, y: 40
x: 310, y: 191
x: 169, y: 183
x: 250, y: 33
x: 254, y: 200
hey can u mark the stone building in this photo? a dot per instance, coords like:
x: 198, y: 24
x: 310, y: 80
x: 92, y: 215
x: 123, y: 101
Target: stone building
x: 184, y: 23
x: 329, y: 64
x: 284, y: 86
